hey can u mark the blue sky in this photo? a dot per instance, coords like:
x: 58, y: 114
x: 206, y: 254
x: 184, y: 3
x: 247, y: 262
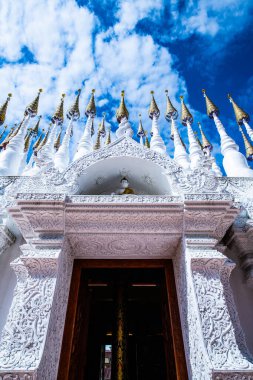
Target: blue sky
x: 138, y: 46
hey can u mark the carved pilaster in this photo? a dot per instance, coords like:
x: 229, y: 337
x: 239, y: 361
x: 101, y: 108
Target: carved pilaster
x: 25, y: 331
x: 6, y: 238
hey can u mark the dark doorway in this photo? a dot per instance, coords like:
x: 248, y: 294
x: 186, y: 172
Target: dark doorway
x: 123, y: 327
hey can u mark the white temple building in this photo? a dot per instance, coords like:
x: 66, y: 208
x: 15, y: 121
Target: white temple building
x: 122, y: 246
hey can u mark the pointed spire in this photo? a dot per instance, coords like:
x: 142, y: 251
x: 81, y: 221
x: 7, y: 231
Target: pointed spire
x: 97, y: 144
x: 92, y: 129
x: 3, y: 132
x: 198, y: 140
x: 248, y: 146
x: 240, y: 114
x: 204, y: 142
x: 101, y: 129
x: 15, y: 131
x: 58, y: 116
x: 140, y: 131
x: 210, y: 106
x: 32, y: 108
x: 153, y: 108
x: 57, y: 142
x: 27, y: 140
x: 171, y: 112
x: 108, y: 138
x: 91, y: 107
x: 44, y: 141
x: 74, y: 112
x: 122, y: 110
x: 3, y: 109
x: 37, y: 143
x: 35, y: 130
x: 146, y: 143
x: 185, y: 113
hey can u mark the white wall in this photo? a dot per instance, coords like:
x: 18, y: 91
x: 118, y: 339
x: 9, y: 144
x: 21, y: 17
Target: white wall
x: 7, y: 280
x: 243, y: 297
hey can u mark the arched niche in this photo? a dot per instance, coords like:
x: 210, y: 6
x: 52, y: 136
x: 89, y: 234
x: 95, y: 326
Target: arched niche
x: 144, y: 176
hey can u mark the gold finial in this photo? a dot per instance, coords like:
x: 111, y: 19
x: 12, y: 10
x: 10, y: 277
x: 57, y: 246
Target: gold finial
x: 91, y: 107
x: 3, y: 109
x: 58, y: 116
x: 140, y: 131
x: 32, y: 108
x: 171, y: 112
x: 108, y: 138
x: 74, y: 112
x: 210, y: 106
x: 185, y: 113
x: 248, y: 146
x: 146, y: 143
x: 97, y: 144
x: 35, y: 130
x: 101, y: 129
x: 92, y: 129
x: 153, y: 108
x: 240, y: 114
x: 57, y: 142
x: 122, y: 110
x: 204, y: 141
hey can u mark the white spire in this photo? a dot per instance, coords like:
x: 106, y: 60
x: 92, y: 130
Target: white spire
x: 156, y: 142
x: 124, y: 128
x: 61, y: 158
x: 10, y: 158
x: 234, y: 162
x: 180, y: 154
x: 248, y: 129
x: 85, y: 145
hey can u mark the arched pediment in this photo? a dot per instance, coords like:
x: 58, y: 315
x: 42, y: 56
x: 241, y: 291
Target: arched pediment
x: 100, y: 172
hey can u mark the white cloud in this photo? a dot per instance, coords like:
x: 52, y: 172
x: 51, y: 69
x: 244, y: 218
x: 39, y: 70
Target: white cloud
x: 60, y: 36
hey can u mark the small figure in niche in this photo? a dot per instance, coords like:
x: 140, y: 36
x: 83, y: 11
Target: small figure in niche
x: 124, y: 187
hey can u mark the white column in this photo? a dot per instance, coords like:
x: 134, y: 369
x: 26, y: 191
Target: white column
x: 156, y: 142
x: 124, y: 129
x: 10, y: 158
x: 180, y: 154
x: 61, y: 158
x: 234, y: 162
x: 85, y: 145
x: 248, y: 129
x: 196, y: 154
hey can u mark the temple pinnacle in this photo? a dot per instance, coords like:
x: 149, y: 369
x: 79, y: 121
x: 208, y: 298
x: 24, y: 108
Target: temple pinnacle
x: 57, y: 142
x: 171, y: 112
x: 185, y: 113
x: 140, y: 131
x: 35, y: 130
x: 3, y: 109
x: 91, y: 107
x: 32, y: 108
x: 248, y: 146
x: 73, y: 112
x: 58, y: 116
x: 210, y: 106
x: 204, y: 142
x: 153, y: 108
x: 27, y: 140
x: 97, y: 144
x: 108, y: 138
x: 146, y: 143
x: 101, y: 129
x: 240, y: 114
x: 122, y: 110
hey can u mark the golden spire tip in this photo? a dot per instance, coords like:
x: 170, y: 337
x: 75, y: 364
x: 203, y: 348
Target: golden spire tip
x: 204, y: 91
x: 181, y: 97
x: 9, y: 95
x: 166, y: 92
x: 122, y: 93
x: 152, y: 92
x: 93, y: 91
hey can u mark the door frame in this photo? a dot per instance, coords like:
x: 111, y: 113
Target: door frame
x: 174, y: 316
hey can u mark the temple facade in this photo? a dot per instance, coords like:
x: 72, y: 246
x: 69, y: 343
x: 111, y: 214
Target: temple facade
x: 125, y: 212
